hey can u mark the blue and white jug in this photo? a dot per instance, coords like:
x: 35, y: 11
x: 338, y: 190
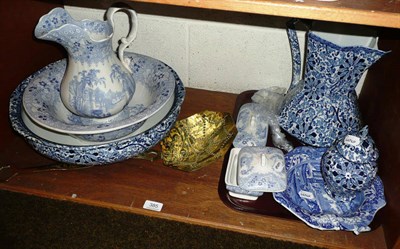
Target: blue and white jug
x: 96, y: 83
x: 322, y: 106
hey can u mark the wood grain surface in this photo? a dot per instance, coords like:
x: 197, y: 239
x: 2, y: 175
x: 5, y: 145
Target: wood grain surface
x: 382, y: 13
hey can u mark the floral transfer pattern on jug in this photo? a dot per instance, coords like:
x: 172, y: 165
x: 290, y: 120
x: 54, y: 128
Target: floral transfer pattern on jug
x: 97, y: 83
x: 323, y: 106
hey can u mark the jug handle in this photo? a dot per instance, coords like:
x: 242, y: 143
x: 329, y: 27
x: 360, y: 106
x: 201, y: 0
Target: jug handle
x: 295, y: 51
x: 125, y: 41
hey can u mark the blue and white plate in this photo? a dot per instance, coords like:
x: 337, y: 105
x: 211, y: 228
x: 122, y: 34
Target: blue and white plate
x: 155, y: 84
x: 306, y: 197
x: 95, y: 153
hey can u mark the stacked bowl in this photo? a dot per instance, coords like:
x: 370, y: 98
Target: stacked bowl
x: 39, y: 115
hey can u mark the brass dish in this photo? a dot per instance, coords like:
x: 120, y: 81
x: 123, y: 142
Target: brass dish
x: 198, y: 140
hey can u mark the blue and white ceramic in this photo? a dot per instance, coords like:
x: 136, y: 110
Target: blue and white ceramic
x: 240, y: 193
x: 307, y: 198
x: 100, y: 138
x: 96, y: 83
x: 95, y: 153
x: 252, y: 126
x: 231, y: 179
x: 111, y: 135
x: 66, y: 139
x: 155, y: 83
x: 271, y: 99
x: 262, y: 169
x: 322, y: 106
x: 350, y: 165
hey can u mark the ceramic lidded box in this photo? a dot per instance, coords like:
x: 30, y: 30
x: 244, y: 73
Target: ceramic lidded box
x: 252, y: 126
x: 262, y: 169
x: 350, y: 165
x: 231, y: 179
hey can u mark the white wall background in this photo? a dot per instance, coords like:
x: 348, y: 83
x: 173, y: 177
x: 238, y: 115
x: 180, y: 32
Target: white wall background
x: 210, y: 55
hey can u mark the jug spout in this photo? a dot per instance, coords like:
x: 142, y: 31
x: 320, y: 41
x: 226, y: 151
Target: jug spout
x: 51, y: 22
x: 84, y: 40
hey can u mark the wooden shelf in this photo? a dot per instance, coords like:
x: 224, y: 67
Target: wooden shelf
x: 193, y: 197
x: 187, y: 197
x: 383, y: 13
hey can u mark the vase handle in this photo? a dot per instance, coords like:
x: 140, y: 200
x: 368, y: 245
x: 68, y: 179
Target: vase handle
x: 295, y: 50
x: 125, y: 41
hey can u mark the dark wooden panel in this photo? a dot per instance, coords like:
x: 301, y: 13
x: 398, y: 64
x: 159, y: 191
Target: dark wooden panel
x: 380, y: 105
x: 21, y: 54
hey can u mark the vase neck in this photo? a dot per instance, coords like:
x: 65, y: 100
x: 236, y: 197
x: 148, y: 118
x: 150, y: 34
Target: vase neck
x: 337, y: 67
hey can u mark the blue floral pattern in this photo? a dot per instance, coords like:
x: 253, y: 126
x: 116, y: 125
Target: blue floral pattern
x: 363, y: 151
x: 262, y: 169
x: 43, y: 104
x: 97, y: 84
x: 231, y: 178
x: 252, y: 126
x: 350, y: 165
x: 324, y: 106
x: 306, y: 196
x: 106, y: 153
x: 345, y: 178
x: 295, y: 50
x: 86, y: 41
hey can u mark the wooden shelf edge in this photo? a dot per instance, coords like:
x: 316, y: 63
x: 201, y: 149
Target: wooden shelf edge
x: 293, y: 9
x: 167, y: 216
x: 189, y: 220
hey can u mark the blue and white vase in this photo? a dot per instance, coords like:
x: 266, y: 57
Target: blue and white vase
x: 350, y: 165
x: 322, y: 106
x: 96, y: 84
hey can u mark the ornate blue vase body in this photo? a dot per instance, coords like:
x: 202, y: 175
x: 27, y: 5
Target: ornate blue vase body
x: 322, y: 106
x: 96, y: 83
x: 349, y: 166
